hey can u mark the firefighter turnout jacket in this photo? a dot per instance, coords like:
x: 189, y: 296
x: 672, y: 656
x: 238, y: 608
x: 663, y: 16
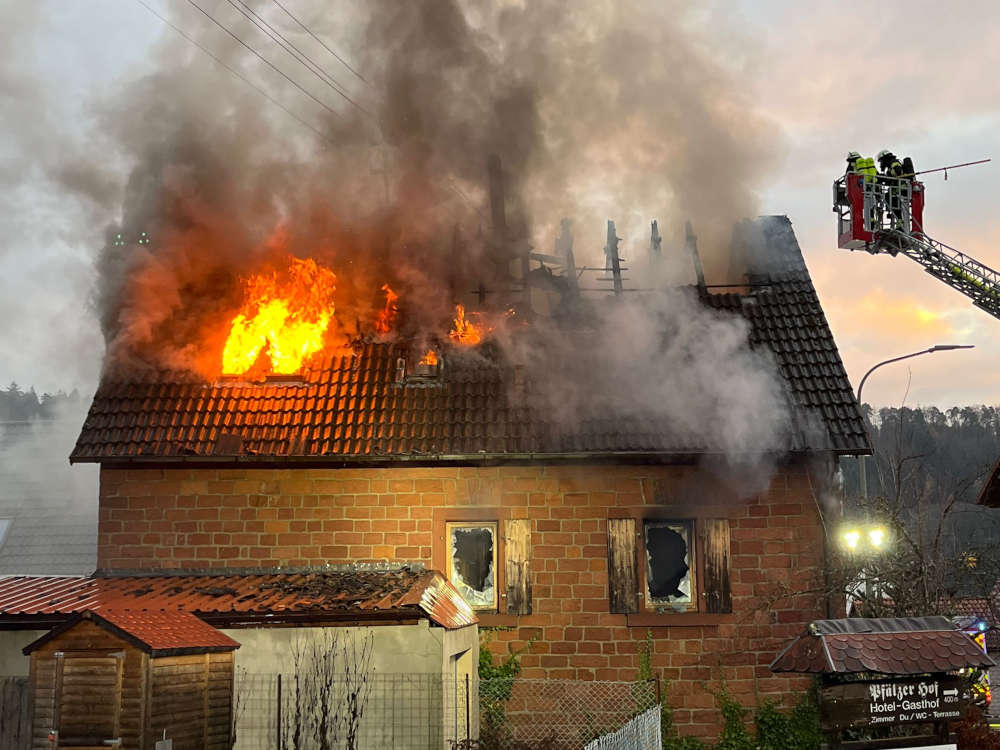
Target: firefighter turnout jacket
x: 866, y: 168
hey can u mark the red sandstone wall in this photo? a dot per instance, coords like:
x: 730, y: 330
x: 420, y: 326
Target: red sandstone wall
x: 214, y: 518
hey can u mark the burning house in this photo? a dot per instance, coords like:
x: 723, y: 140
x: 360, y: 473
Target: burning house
x: 330, y: 398
x: 519, y: 457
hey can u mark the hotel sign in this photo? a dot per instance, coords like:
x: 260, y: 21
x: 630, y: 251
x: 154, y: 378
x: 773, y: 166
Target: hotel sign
x: 884, y: 702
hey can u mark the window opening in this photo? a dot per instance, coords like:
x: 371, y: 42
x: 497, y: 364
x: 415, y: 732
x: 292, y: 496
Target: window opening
x: 472, y: 562
x: 669, y: 574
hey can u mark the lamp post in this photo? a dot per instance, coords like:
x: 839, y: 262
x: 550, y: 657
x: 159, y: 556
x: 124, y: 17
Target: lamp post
x: 862, y: 475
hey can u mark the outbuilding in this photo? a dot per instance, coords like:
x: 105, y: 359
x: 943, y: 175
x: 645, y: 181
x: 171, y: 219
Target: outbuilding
x: 128, y: 678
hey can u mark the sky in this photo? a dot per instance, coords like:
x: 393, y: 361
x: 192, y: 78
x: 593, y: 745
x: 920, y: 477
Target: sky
x: 915, y: 77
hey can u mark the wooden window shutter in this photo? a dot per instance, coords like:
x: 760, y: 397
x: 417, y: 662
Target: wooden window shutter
x: 517, y: 568
x: 718, y: 593
x: 623, y: 574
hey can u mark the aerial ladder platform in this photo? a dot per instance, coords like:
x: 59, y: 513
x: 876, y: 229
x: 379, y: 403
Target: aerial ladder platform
x: 884, y: 214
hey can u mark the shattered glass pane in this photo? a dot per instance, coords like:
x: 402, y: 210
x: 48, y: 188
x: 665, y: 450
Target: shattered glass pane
x: 668, y: 563
x: 472, y: 561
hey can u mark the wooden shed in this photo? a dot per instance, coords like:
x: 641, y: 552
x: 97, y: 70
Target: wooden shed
x: 126, y: 676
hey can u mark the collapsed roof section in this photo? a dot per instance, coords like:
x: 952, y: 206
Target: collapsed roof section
x: 360, y: 410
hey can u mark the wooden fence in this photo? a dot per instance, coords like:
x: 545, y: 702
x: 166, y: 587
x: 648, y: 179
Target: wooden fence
x: 15, y: 713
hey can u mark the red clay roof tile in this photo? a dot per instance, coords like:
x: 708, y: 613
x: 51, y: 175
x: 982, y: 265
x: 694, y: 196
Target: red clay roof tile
x: 479, y: 395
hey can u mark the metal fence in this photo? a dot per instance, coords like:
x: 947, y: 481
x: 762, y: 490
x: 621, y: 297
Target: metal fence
x: 432, y: 712
x: 641, y: 733
x: 555, y: 714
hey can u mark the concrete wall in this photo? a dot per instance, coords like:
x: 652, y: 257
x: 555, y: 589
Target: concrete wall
x: 12, y: 662
x: 413, y: 649
x: 413, y: 703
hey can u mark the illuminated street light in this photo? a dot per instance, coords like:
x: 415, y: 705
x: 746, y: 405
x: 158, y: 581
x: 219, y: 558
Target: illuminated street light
x: 868, y: 539
x: 876, y: 537
x: 851, y: 539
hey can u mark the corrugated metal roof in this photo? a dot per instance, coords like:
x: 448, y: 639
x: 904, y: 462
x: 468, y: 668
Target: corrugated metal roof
x: 895, y: 646
x: 352, y: 409
x: 227, y: 598
x: 157, y: 632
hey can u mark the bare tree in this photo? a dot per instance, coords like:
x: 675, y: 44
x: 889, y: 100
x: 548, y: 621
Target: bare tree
x: 329, y: 691
x: 925, y: 564
x: 241, y: 692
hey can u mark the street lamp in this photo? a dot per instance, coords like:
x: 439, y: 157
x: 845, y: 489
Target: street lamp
x: 862, y: 474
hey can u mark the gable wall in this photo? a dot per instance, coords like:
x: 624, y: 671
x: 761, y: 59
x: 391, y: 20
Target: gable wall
x: 214, y: 518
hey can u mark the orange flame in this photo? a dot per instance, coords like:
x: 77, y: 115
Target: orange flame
x: 284, y: 317
x: 383, y: 324
x: 464, y: 332
x: 431, y: 358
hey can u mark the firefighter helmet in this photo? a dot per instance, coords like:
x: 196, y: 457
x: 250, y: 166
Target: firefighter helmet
x: 852, y: 155
x: 883, y: 154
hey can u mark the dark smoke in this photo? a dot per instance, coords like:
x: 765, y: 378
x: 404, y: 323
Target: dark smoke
x: 630, y: 110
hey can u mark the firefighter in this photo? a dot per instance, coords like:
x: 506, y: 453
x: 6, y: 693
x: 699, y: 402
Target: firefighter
x: 892, y: 174
x: 889, y: 164
x: 852, y: 168
x: 857, y: 164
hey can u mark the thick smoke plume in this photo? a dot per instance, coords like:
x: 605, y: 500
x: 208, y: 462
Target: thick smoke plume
x: 623, y: 109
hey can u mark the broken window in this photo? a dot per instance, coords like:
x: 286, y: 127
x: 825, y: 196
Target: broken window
x: 472, y: 562
x: 669, y: 563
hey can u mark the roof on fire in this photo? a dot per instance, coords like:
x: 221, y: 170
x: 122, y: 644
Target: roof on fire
x: 356, y: 410
x: 232, y: 599
x: 885, y: 645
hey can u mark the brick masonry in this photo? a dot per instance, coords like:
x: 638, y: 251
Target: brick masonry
x: 217, y: 518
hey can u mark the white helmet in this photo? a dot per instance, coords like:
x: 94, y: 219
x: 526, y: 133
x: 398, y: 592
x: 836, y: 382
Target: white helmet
x: 851, y: 155
x: 882, y: 154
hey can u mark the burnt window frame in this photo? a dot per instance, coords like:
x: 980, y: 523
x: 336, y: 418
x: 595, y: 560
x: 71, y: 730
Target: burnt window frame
x: 494, y: 522
x: 694, y: 573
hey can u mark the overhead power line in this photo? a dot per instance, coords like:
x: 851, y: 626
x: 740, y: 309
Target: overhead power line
x: 263, y: 59
x: 309, y: 32
x: 278, y: 38
x: 236, y: 73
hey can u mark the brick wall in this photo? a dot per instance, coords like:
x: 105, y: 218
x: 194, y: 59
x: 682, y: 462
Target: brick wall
x: 215, y: 518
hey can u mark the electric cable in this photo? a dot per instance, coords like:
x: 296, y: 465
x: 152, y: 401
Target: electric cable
x: 310, y: 33
x: 271, y: 65
x: 278, y: 38
x: 236, y: 73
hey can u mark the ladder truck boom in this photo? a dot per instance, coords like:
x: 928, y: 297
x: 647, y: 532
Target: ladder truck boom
x: 885, y: 215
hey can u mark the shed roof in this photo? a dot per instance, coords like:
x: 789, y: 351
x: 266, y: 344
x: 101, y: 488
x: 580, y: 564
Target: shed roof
x: 157, y: 633
x: 247, y: 598
x: 353, y: 410
x: 887, y: 645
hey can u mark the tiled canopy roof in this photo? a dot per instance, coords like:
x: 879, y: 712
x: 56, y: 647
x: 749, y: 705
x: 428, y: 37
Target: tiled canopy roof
x: 896, y: 646
x: 356, y: 409
x: 230, y: 599
x: 155, y: 632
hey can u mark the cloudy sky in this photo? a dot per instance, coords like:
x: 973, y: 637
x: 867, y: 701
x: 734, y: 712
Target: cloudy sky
x: 916, y: 77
